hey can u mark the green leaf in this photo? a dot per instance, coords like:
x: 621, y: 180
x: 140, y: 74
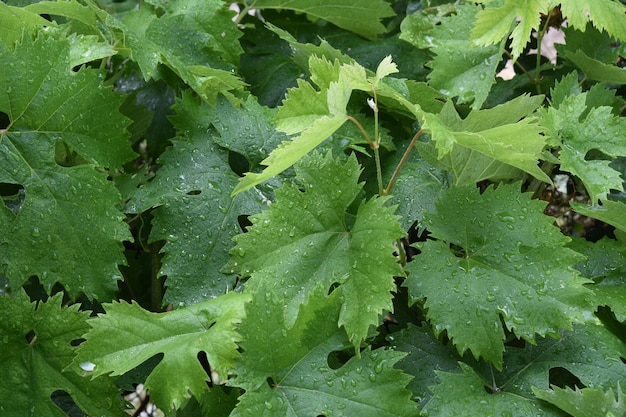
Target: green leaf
x: 66, y: 229
x: 505, y: 133
x: 286, y: 372
x: 611, y: 212
x: 15, y: 21
x: 598, y: 130
x: 426, y: 356
x: 605, y: 265
x: 515, y: 19
x: 497, y: 259
x: 196, y: 215
x: 313, y: 237
x: 359, y: 16
x: 586, y: 402
x: 196, y: 39
x: 465, y: 395
x: 37, y: 345
x: 127, y: 336
x: 606, y: 15
x: 596, y: 70
x: 461, y: 68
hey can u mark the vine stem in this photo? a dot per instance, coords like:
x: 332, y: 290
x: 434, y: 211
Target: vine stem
x: 540, y: 36
x: 396, y: 172
x: 244, y: 11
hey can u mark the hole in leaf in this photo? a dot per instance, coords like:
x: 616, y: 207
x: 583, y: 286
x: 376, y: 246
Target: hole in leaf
x: 30, y: 337
x: 194, y: 192
x: 238, y: 163
x: 4, y: 120
x: 204, y: 361
x: 129, y: 380
x: 65, y: 402
x: 270, y: 382
x: 562, y: 378
x: 244, y: 222
x: 77, y: 342
x: 332, y: 288
x: 13, y: 196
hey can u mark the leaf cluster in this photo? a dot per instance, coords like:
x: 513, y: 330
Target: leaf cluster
x: 304, y: 208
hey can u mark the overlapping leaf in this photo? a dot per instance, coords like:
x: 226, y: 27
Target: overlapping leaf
x: 65, y: 227
x: 324, y: 235
x: 586, y: 402
x: 37, y: 350
x: 196, y: 39
x: 581, y: 130
x: 505, y: 134
x: 359, y: 16
x: 286, y: 372
x: 196, y: 215
x: 497, y: 259
x: 461, y: 68
x: 127, y: 336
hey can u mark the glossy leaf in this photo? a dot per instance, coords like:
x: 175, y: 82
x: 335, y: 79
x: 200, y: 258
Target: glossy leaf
x: 587, y: 402
x: 497, y: 259
x: 179, y: 335
x: 324, y: 234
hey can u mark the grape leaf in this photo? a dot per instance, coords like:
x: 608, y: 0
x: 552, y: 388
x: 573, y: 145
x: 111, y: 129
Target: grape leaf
x: 497, y: 259
x: 196, y: 39
x: 15, y: 21
x: 37, y: 348
x: 493, y: 24
x: 465, y: 395
x: 505, y: 133
x: 606, y: 15
x: 127, y: 335
x: 359, y: 16
x: 589, y: 352
x: 312, y: 237
x: 586, y: 402
x: 196, y: 215
x: 611, y: 212
x: 67, y: 228
x: 286, y: 372
x: 605, y: 265
x: 596, y: 70
x: 461, y: 68
x: 598, y: 130
x: 426, y: 356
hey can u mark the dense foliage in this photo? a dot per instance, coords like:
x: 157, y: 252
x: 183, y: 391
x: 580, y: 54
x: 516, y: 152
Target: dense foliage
x: 313, y: 208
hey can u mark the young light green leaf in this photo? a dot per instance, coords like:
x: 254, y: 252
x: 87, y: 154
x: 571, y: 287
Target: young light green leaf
x: 385, y: 68
x: 37, y: 345
x: 606, y: 15
x: 497, y: 259
x: 493, y: 24
x: 127, y: 336
x: 359, y: 16
x: 461, y: 68
x: 65, y: 228
x: 286, y: 372
x: 317, y: 115
x: 586, y: 402
x: 314, y: 237
x: 497, y: 133
x: 598, y: 130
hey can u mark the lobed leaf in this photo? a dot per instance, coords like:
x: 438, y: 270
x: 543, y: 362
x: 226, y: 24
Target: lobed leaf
x: 38, y: 344
x: 311, y: 236
x: 286, y: 370
x: 586, y: 402
x: 126, y: 336
x: 65, y: 226
x: 497, y: 259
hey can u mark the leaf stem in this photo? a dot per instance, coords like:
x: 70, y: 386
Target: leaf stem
x: 540, y: 35
x: 360, y: 126
x: 407, y: 152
